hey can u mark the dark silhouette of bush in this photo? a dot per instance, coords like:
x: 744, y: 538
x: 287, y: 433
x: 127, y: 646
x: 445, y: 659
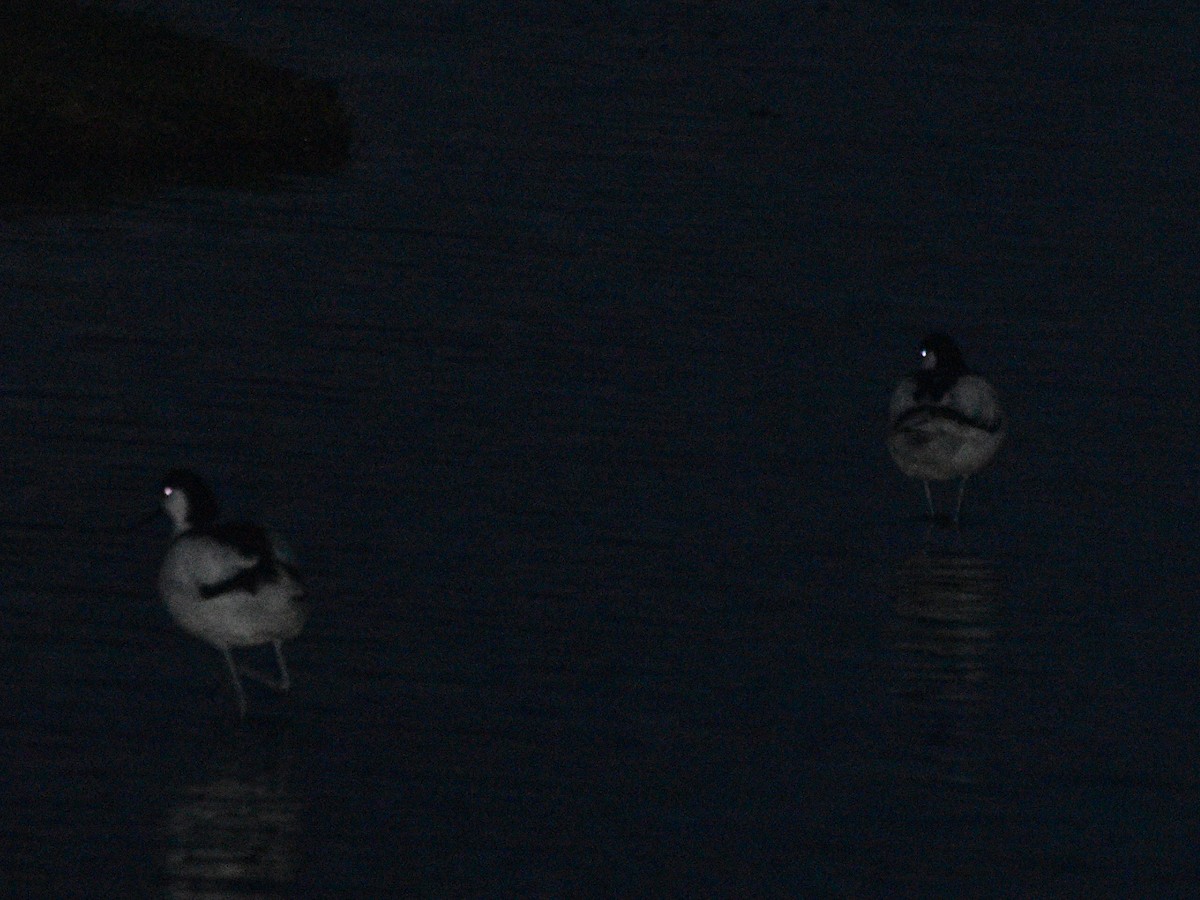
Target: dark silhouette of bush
x: 90, y: 90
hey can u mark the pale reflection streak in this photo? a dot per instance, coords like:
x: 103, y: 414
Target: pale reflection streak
x: 235, y: 835
x: 944, y: 631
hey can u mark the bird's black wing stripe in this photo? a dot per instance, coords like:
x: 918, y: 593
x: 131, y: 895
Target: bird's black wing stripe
x: 946, y: 412
x: 249, y: 579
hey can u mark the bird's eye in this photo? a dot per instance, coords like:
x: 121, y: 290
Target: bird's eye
x: 168, y: 491
x: 924, y: 353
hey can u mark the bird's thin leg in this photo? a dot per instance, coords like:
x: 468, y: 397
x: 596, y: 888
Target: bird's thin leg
x: 929, y: 499
x: 239, y: 691
x: 962, y: 485
x: 282, y: 684
x: 285, y: 680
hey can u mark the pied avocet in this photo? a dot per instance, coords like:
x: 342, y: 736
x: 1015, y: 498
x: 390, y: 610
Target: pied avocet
x: 227, y: 583
x: 944, y: 421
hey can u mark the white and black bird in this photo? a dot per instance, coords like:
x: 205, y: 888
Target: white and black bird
x: 227, y: 583
x: 945, y: 421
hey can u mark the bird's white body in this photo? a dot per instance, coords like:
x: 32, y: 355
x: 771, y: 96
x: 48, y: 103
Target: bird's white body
x: 235, y: 618
x: 954, y: 437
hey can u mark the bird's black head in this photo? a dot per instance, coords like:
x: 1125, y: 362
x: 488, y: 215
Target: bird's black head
x: 939, y: 352
x: 942, y: 365
x: 201, y: 505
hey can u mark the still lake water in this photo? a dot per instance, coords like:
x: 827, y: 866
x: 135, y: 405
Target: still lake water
x: 569, y: 395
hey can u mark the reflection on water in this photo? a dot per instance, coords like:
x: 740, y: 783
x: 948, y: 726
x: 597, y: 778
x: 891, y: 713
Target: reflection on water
x: 947, y: 741
x: 945, y: 611
x: 235, y: 833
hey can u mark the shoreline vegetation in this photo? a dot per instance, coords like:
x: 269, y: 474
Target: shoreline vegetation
x: 90, y: 91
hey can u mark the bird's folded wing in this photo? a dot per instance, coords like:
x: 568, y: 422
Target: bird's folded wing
x: 245, y: 580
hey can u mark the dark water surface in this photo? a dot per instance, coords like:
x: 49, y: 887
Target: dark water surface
x: 569, y: 395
